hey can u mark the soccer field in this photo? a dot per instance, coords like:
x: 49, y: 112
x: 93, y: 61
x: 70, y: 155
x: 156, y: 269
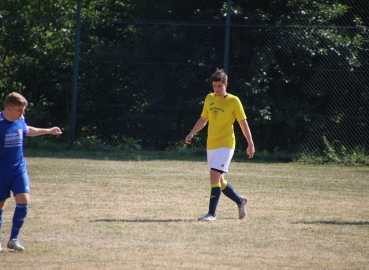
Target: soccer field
x: 106, y: 214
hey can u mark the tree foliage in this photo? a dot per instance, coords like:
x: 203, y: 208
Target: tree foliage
x: 144, y: 67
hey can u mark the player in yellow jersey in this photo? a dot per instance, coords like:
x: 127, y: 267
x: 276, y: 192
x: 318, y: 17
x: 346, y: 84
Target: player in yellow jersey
x: 221, y: 110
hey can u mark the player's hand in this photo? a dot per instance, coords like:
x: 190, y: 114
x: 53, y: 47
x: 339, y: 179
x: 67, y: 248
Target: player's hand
x: 55, y: 131
x: 188, y: 139
x: 250, y: 150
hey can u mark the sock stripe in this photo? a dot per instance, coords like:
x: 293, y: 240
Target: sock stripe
x: 215, y: 185
x: 225, y: 184
x: 22, y: 205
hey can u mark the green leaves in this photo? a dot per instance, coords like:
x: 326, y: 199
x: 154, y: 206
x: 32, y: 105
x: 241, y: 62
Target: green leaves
x: 144, y: 66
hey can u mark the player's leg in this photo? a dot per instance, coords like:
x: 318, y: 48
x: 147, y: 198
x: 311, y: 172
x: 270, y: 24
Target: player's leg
x: 214, y: 189
x: 218, y: 162
x: 231, y: 193
x: 2, y: 206
x: 21, y: 191
x: 227, y: 188
x: 215, y: 192
x: 4, y: 195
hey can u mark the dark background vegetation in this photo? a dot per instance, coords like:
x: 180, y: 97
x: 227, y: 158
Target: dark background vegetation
x: 300, y: 68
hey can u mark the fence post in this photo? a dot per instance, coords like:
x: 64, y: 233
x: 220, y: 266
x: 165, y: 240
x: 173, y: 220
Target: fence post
x: 75, y: 74
x: 227, y: 36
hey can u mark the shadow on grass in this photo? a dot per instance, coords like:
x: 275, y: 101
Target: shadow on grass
x: 332, y: 222
x: 145, y: 220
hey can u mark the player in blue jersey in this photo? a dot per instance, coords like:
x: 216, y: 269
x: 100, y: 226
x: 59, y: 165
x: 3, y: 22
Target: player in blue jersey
x: 13, y: 170
x: 221, y: 110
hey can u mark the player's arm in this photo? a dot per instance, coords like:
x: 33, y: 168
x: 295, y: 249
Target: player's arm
x: 200, y: 124
x: 246, y: 131
x: 33, y: 131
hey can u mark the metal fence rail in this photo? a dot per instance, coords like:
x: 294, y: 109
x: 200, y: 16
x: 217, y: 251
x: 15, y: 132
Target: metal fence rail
x: 156, y: 96
x: 304, y: 85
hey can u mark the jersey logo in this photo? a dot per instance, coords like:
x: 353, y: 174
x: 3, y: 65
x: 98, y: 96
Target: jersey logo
x: 14, y: 139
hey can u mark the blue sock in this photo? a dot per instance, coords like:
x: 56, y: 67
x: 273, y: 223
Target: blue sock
x: 20, y: 214
x: 229, y: 191
x: 1, y: 223
x: 215, y: 193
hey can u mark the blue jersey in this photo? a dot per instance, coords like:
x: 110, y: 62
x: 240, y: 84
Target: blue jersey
x: 11, y: 147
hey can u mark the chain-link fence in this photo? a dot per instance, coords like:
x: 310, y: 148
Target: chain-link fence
x: 301, y: 73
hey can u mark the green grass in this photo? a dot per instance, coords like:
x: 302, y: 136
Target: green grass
x: 139, y: 210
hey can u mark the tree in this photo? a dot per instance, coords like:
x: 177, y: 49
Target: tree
x: 298, y: 58
x: 144, y: 67
x: 37, y: 61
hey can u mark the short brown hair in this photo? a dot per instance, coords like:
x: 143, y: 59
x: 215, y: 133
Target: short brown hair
x: 16, y: 99
x: 219, y: 75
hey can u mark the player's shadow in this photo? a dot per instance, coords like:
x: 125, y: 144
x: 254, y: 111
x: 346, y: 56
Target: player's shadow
x: 144, y: 220
x: 333, y: 222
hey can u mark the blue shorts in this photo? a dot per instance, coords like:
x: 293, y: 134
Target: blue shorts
x: 16, y: 184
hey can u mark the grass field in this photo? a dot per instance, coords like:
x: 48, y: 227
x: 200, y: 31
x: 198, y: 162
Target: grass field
x: 140, y: 213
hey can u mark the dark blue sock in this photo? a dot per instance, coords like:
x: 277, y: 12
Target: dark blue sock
x: 20, y: 214
x: 215, y: 193
x: 1, y: 223
x: 229, y: 191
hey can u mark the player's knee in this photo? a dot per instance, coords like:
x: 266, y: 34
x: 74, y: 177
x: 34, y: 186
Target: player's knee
x: 2, y: 204
x: 22, y: 198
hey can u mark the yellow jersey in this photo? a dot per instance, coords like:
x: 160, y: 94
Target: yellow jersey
x: 221, y: 113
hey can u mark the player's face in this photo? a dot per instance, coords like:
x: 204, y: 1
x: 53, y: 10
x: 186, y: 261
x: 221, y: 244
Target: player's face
x: 16, y: 112
x: 220, y: 88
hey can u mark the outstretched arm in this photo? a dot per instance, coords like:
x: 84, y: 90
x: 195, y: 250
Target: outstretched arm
x: 200, y: 124
x: 246, y: 131
x: 33, y: 131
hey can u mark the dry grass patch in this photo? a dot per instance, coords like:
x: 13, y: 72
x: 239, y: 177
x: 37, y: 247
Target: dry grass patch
x: 101, y: 214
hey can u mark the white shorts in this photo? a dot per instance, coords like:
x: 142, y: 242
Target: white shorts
x: 220, y: 158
